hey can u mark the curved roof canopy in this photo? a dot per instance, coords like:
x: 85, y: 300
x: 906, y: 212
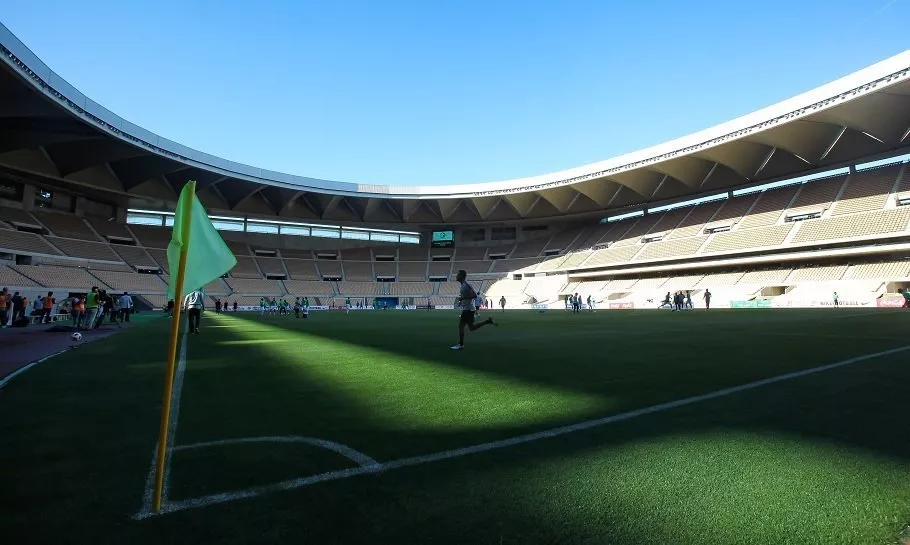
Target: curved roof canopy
x: 52, y: 132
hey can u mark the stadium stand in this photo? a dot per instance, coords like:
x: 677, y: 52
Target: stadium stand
x: 385, y: 269
x: 58, y: 277
x: 215, y: 287
x: 358, y: 271
x: 650, y: 283
x: 671, y: 248
x: 84, y: 249
x: 887, y: 270
x: 530, y: 248
x: 11, y: 277
x: 816, y: 196
x: 509, y: 265
x: 638, y: 229
x: 769, y: 207
x: 668, y: 221
x: 360, y: 288
x: 749, y: 238
x: 255, y: 286
x: 720, y: 279
x: 440, y: 269
x: 867, y: 190
x: 160, y: 257
x: 765, y: 278
x: 562, y: 240
x: 135, y: 256
x: 731, y: 211
x: 138, y: 283
x: 409, y: 253
x: 816, y: 274
x: 422, y: 289
x: 413, y: 270
x: 246, y: 268
x: 271, y: 265
x: 15, y: 216
x: 309, y: 287
x: 611, y: 255
x: 111, y: 229
x: 66, y: 225
x: 28, y: 243
x: 472, y: 267
x: 464, y: 254
x: 854, y: 225
x: 694, y: 223
x: 296, y: 254
x: 151, y: 237
x: 328, y: 267
x: 300, y: 269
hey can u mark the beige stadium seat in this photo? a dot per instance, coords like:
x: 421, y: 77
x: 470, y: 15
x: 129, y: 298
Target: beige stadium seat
x: 58, y: 277
x: 671, y: 248
x: 612, y: 255
x: 328, y: 267
x: 748, y: 238
x: 270, y: 265
x: 769, y: 207
x: 358, y: 271
x: 255, y: 286
x: 360, y: 289
x: 887, y: 270
x: 441, y: 268
x: 867, y: 190
x: 66, y: 225
x: 246, y: 268
x: 84, y: 249
x: 111, y: 229
x: 413, y: 270
x: 472, y: 267
x: 530, y: 248
x: 135, y: 256
x: 764, y: 278
x: 694, y: 223
x: 854, y: 225
x: 816, y: 195
x: 417, y: 289
x: 309, y: 287
x: 638, y: 229
x: 10, y: 277
x: 26, y: 243
x: 134, y: 282
x: 300, y: 269
x: 816, y: 274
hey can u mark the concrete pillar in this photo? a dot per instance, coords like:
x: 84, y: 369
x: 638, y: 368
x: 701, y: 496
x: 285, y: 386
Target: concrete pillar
x: 28, y: 197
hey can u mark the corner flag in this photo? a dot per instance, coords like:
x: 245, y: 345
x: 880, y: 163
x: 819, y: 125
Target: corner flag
x: 196, y: 255
x: 207, y: 256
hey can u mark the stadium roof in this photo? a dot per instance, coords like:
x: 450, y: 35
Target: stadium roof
x: 54, y: 134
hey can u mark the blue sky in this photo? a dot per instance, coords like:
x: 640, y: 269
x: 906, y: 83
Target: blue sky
x: 432, y: 92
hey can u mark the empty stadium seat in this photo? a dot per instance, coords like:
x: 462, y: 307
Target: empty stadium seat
x: 255, y: 286
x: 309, y: 287
x: 66, y: 225
x: 867, y: 190
x: 300, y: 269
x: 25, y: 243
x: 853, y: 225
x: 748, y: 238
x: 133, y: 282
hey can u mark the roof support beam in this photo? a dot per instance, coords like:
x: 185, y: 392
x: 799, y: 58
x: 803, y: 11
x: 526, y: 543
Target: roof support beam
x: 765, y: 162
x: 906, y: 134
x: 833, y: 143
x: 659, y: 185
x: 708, y: 175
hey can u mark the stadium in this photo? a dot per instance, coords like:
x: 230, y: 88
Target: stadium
x: 770, y: 418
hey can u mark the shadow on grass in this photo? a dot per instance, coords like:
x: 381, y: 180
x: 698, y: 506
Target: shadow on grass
x: 690, y: 475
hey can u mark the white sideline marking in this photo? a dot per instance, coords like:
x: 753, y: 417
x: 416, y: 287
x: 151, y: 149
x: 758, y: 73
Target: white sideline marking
x: 355, y: 456
x: 149, y: 491
x: 25, y: 368
x: 213, y: 499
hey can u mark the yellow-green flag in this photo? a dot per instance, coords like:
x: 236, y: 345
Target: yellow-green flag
x: 207, y: 256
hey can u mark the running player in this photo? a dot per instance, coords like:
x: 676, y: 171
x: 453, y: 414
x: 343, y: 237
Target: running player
x: 347, y: 305
x: 465, y: 303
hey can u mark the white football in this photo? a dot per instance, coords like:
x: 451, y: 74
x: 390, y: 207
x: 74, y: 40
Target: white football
x: 77, y: 336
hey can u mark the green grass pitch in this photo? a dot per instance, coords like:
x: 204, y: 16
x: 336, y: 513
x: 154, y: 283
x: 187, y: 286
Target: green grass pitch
x: 819, y: 459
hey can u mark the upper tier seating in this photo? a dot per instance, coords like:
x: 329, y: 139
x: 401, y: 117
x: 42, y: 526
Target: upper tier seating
x: 671, y: 248
x: 66, y: 225
x: 139, y: 283
x: 413, y: 270
x: 358, y: 271
x: 440, y: 268
x: 84, y: 249
x: 854, y: 225
x: 764, y: 278
x: 471, y: 267
x: 360, y: 288
x: 638, y: 230
x: 134, y: 255
x: 816, y: 195
x: 509, y: 265
x: 411, y: 253
x: 245, y: 268
x: 612, y: 255
x: 328, y: 267
x: 530, y: 248
x: 19, y: 241
x: 58, y: 277
x: 694, y: 223
x: 769, y: 207
x: 271, y: 265
x: 385, y: 269
x: 111, y: 229
x: 16, y: 216
x: 732, y: 210
x: 816, y: 274
x: 562, y: 240
x: 749, y: 238
x: 300, y: 269
x: 151, y: 237
x: 867, y: 190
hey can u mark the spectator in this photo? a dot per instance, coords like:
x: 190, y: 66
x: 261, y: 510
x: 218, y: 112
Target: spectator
x: 18, y: 308
x: 78, y: 311
x: 126, y: 306
x: 91, y: 308
x: 47, y: 305
x: 194, y: 303
x: 4, y: 306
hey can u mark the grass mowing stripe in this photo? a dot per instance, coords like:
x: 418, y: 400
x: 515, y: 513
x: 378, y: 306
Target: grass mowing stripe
x: 521, y: 439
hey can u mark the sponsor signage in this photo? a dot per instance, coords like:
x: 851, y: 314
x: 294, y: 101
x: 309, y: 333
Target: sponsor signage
x: 889, y: 302
x: 755, y: 303
x: 625, y: 305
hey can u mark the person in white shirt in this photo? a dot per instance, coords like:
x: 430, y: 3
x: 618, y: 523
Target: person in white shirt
x: 465, y: 303
x: 194, y: 303
x: 126, y: 306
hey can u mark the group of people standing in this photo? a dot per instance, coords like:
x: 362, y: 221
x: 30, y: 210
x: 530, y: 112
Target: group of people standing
x: 574, y: 302
x: 86, y: 311
x: 682, y: 300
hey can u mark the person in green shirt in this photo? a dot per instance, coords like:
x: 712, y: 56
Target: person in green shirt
x: 91, y: 308
x: 347, y: 305
x: 906, y: 294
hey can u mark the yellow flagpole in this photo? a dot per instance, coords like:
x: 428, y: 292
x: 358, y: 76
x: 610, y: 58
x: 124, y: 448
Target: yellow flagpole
x: 172, y: 351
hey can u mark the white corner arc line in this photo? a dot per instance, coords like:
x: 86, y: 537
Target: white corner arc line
x: 291, y: 484
x: 353, y: 455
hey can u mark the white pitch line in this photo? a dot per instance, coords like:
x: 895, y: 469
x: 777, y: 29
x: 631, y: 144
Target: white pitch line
x: 291, y: 484
x: 25, y: 368
x: 149, y: 491
x: 353, y: 455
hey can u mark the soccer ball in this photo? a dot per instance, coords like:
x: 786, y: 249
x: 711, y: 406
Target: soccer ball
x: 77, y: 336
